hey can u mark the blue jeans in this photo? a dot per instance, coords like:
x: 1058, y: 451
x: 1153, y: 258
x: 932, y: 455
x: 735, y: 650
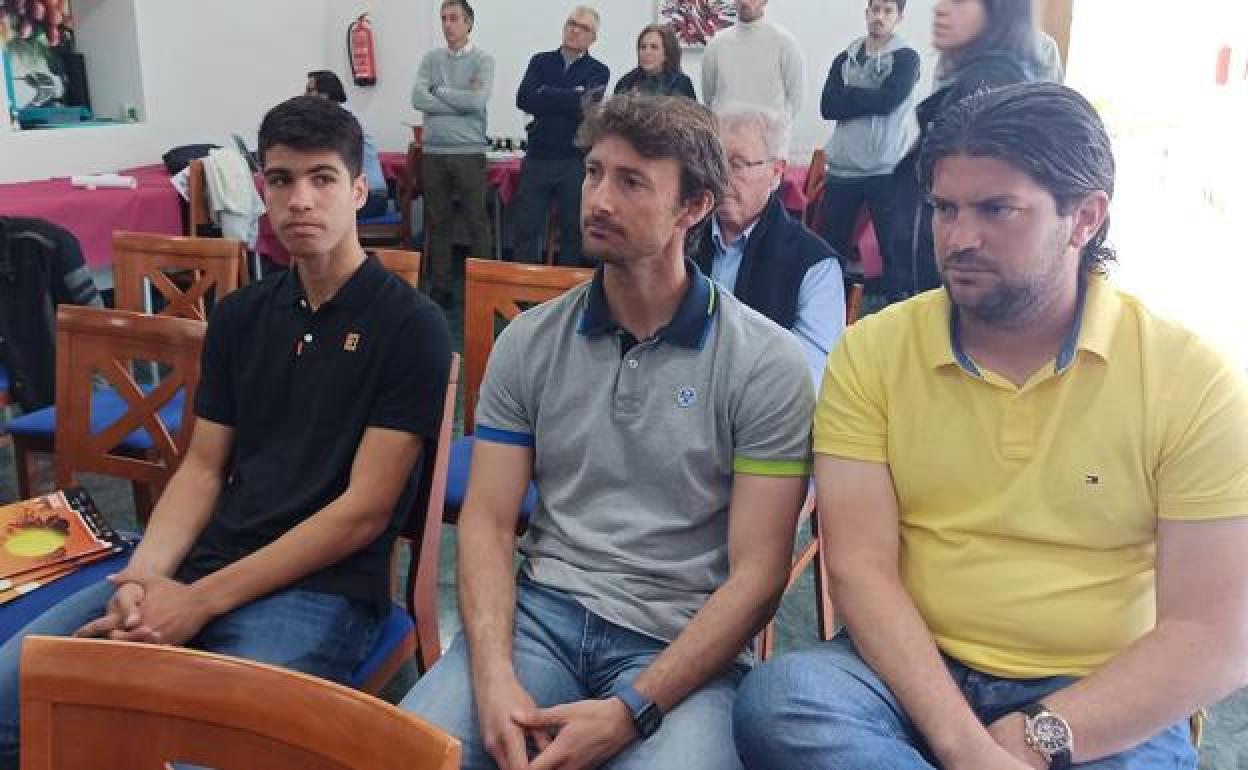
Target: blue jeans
x: 563, y: 653
x: 825, y: 708
x: 317, y: 633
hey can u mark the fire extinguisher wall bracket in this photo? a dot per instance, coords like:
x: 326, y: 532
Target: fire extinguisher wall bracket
x: 360, y: 51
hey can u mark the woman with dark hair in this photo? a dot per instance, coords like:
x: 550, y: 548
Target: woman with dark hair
x: 983, y: 44
x: 658, y: 66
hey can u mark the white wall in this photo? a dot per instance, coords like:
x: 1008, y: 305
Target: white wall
x: 210, y: 69
x: 107, y: 33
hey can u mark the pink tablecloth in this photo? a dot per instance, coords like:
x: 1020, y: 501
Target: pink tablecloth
x: 93, y: 215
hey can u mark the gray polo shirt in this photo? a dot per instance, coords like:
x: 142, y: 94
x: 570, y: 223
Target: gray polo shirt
x: 636, y: 445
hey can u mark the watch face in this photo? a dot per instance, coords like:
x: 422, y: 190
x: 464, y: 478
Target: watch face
x: 1050, y: 733
x: 648, y: 720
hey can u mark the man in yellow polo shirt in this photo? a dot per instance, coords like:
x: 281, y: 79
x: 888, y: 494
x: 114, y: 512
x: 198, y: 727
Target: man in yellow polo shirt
x: 1035, y: 491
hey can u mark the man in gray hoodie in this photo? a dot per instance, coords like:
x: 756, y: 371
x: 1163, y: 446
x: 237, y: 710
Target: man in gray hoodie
x: 452, y: 88
x: 868, y: 94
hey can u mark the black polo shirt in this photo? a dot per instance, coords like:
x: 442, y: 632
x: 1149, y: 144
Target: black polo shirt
x: 299, y: 388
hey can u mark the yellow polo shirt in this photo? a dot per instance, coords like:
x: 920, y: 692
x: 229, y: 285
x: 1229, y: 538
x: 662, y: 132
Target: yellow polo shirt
x: 1028, y: 515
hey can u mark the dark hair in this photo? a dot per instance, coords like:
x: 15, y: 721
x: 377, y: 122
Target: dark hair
x: 901, y: 4
x: 1046, y: 130
x: 671, y: 46
x: 663, y: 127
x: 469, y: 14
x: 328, y: 85
x: 310, y: 123
x: 1008, y: 28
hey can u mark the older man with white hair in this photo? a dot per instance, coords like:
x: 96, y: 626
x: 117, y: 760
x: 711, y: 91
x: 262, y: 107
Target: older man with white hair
x: 755, y: 249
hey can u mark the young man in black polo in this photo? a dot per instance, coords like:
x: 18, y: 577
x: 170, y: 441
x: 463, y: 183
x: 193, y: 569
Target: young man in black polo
x: 319, y: 386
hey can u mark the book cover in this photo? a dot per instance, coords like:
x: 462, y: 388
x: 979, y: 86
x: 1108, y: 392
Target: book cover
x: 54, y: 528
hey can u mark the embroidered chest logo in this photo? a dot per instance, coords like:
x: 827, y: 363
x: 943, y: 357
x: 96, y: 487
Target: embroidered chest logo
x: 1092, y: 480
x: 352, y: 342
x: 686, y: 397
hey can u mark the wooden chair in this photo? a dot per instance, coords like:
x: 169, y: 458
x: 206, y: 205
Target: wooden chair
x: 494, y: 290
x: 395, y: 227
x: 199, y: 222
x: 825, y: 613
x: 404, y: 264
x: 183, y: 271
x: 89, y: 703
x: 132, y: 437
x: 816, y: 179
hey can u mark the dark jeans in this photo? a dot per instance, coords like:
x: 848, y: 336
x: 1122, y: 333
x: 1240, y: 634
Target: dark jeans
x: 825, y: 709
x: 445, y: 178
x: 540, y: 180
x: 843, y: 198
x: 377, y: 204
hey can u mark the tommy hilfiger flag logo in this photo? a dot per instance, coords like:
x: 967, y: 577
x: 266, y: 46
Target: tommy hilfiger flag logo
x: 351, y: 342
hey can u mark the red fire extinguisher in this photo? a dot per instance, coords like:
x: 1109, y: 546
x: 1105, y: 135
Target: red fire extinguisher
x: 360, y: 51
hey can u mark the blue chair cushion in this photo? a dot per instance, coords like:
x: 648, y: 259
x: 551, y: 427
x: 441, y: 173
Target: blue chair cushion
x: 15, y: 615
x: 106, y: 408
x: 397, y: 626
x: 391, y: 217
x: 457, y: 479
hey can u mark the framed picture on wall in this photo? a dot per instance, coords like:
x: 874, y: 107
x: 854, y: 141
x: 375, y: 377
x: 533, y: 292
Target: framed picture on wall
x: 696, y: 21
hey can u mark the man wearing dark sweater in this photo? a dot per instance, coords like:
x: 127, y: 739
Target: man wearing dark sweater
x: 868, y: 94
x: 556, y: 87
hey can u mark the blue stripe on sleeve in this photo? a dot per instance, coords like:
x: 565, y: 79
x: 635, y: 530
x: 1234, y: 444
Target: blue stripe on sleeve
x: 499, y: 436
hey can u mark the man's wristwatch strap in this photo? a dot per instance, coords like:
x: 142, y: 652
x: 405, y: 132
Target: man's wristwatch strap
x: 1060, y: 760
x: 645, y: 713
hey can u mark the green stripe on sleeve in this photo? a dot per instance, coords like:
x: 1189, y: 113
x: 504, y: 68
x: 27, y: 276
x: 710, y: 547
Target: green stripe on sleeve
x: 770, y: 467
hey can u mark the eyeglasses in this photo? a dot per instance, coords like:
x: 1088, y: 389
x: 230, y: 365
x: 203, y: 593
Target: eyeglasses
x: 741, y: 165
x: 578, y: 26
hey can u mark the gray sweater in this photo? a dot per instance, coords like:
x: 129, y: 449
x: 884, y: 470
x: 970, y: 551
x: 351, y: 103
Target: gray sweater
x: 452, y: 91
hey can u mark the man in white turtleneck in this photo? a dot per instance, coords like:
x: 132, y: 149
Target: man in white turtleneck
x: 754, y: 62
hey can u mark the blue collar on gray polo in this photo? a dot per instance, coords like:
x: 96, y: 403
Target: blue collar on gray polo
x: 688, y: 328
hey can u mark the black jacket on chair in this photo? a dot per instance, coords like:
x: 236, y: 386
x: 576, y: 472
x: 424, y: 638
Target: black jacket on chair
x: 777, y: 255
x: 41, y: 266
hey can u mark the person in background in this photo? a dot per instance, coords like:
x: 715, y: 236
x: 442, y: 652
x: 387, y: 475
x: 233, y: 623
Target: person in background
x: 754, y: 62
x: 755, y: 249
x: 983, y: 44
x: 868, y: 93
x: 326, y: 84
x: 556, y: 88
x: 1034, y: 490
x: 453, y: 86
x: 658, y: 70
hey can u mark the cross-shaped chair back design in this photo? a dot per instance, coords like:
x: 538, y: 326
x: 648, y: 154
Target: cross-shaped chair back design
x: 404, y: 264
x: 495, y: 290
x: 212, y: 265
x: 119, y: 706
x: 137, y: 445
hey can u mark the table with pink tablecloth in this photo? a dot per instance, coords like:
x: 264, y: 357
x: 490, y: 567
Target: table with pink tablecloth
x: 93, y: 215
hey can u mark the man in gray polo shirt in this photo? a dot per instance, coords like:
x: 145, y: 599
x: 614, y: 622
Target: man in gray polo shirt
x: 666, y: 426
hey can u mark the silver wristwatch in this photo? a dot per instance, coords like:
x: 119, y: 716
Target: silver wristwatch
x: 1048, y: 735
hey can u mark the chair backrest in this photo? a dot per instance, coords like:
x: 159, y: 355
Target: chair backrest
x: 213, y: 265
x: 197, y: 198
x: 423, y: 530
x: 816, y: 176
x: 405, y: 264
x: 495, y: 290
x: 122, y: 706
x: 94, y: 342
x: 853, y: 303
